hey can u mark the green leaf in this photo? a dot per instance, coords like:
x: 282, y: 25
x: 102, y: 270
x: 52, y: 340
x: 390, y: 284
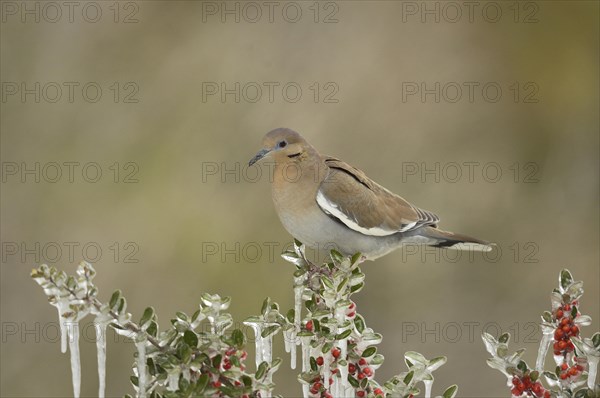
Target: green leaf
x: 353, y: 382
x: 359, y: 323
x: 522, y: 366
x: 182, y: 316
x: 574, y: 312
x: 265, y: 306
x: 202, y: 383
x: 355, y: 258
x: 114, y: 298
x: 596, y: 340
x: 152, y: 329
x: 336, y: 256
x: 262, y: 369
x: 326, y: 347
x: 356, y: 288
x: 565, y: 278
x: 408, y: 377
x: 534, y: 375
x: 313, y: 364
x: 216, y: 361
x: 369, y: 351
x: 291, y: 314
x: 238, y: 338
x: 327, y: 282
x: 450, y: 391
x: 147, y: 315
x: 504, y: 338
x: 134, y: 380
x: 190, y: 338
x: 344, y: 334
x: 269, y: 330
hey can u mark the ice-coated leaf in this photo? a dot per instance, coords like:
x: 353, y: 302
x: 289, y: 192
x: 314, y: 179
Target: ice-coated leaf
x: 407, y: 379
x: 369, y: 351
x: 147, y: 315
x: 355, y: 258
x: 265, y: 306
x: 336, y: 256
x: 565, y: 278
x: 190, y: 338
x: 583, y: 320
x: 415, y: 357
x: 262, y: 369
x: 435, y: 363
x: 490, y: 343
x: 596, y: 339
x: 450, y: 391
x: 114, y: 298
x: 504, y: 338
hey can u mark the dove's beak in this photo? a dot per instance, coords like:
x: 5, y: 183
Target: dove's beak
x: 261, y: 154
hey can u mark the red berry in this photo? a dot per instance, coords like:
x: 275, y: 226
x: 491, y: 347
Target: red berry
x: 378, y: 391
x: 567, y: 307
x: 515, y: 381
x: 564, y: 321
x: 559, y: 314
x: 336, y: 352
x: 227, y: 365
x: 537, y: 389
x: 573, y: 371
x: 351, y: 306
x: 320, y: 361
x: 351, y: 368
x: 361, y: 376
x: 564, y: 366
x: 557, y: 352
x: 574, y: 330
x: 580, y: 368
x: 368, y: 372
x: 360, y: 393
x: 351, y: 315
x: 563, y: 375
x: 217, y: 384
x: 546, y: 394
x: 309, y: 326
x: 566, y: 329
x: 362, y: 362
x: 562, y: 345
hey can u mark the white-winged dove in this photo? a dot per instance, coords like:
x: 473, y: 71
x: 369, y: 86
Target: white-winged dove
x: 326, y: 203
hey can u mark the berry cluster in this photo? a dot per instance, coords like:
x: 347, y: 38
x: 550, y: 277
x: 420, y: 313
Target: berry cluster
x: 525, y: 385
x: 570, y: 373
x: 566, y: 328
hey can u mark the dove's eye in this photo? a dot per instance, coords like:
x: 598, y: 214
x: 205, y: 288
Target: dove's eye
x: 282, y: 144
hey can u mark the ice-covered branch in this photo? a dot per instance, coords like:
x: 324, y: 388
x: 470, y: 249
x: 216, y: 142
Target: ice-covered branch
x: 576, y: 358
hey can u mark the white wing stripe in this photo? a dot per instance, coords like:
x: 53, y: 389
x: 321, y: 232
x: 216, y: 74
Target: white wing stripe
x: 331, y: 208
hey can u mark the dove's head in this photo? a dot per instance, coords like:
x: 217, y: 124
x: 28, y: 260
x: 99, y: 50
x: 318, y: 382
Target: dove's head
x: 281, y: 145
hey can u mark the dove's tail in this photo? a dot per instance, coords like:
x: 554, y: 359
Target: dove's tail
x: 451, y: 240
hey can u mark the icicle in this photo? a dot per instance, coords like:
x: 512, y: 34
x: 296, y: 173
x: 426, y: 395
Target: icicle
x: 73, y: 331
x: 326, y: 369
x: 542, y: 351
x: 289, y: 339
x: 141, y: 367
x: 428, y: 384
x: 101, y: 349
x: 592, y: 370
x: 305, y: 342
x: 340, y: 316
x: 258, y: 341
x: 62, y: 305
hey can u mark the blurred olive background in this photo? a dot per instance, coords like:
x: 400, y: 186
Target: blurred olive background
x: 185, y: 205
